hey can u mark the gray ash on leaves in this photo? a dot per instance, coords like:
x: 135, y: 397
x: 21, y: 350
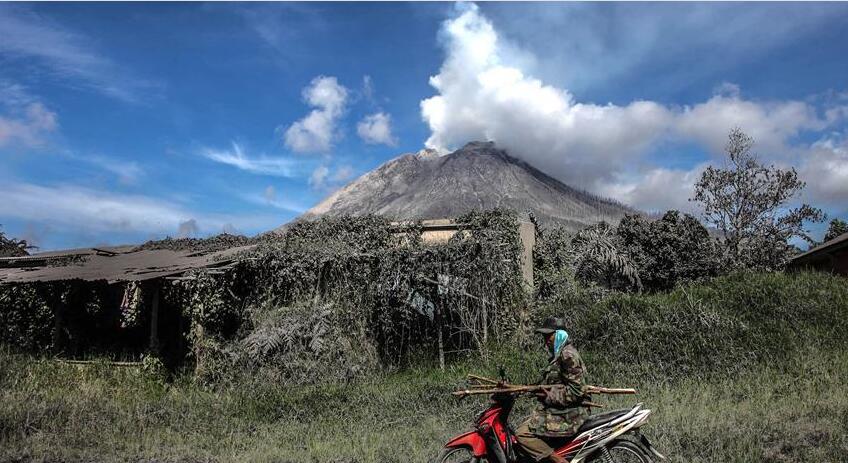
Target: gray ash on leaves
x: 211, y: 244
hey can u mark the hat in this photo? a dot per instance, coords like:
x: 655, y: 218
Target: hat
x: 550, y: 325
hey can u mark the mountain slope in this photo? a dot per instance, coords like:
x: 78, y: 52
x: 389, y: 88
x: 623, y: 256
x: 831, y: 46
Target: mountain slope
x: 477, y: 176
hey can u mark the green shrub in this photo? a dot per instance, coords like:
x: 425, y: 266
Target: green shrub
x: 721, y: 326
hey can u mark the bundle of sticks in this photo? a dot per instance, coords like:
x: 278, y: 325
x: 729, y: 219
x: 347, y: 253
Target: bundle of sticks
x: 483, y: 385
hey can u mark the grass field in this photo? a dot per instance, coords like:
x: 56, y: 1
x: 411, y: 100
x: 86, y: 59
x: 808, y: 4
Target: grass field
x: 754, y: 370
x: 51, y: 412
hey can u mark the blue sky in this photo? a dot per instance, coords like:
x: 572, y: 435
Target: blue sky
x: 125, y: 122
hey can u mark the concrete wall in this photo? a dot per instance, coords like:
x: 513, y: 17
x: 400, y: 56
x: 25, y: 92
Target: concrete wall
x: 442, y: 230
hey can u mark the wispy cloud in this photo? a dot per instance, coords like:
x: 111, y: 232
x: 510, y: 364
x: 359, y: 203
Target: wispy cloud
x: 127, y: 171
x: 236, y: 157
x: 271, y: 198
x: 283, y: 25
x: 65, y: 54
x: 28, y: 127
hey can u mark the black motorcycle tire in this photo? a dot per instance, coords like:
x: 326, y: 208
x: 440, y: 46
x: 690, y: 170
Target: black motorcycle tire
x: 626, y: 446
x: 465, y: 454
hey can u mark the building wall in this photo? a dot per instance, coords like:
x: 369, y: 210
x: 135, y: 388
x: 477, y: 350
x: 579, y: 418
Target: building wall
x: 442, y: 230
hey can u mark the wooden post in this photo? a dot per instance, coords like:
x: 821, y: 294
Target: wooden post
x: 441, y: 338
x: 59, y: 308
x: 154, y: 318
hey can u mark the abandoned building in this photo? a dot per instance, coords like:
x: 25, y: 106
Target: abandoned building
x: 128, y: 281
x: 124, y: 278
x: 831, y: 256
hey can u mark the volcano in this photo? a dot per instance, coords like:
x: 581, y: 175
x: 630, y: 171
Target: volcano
x: 426, y: 185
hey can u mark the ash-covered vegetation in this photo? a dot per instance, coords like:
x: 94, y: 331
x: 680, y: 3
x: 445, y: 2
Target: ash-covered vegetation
x: 339, y: 339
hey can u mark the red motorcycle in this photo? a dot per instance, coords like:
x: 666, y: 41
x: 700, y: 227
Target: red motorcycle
x: 611, y: 437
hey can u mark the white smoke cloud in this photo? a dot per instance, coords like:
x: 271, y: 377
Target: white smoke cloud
x: 484, y: 94
x: 316, y: 132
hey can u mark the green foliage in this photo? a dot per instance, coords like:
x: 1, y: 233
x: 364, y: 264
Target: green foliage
x: 153, y: 368
x: 721, y: 326
x: 711, y: 402
x: 836, y: 228
x: 599, y: 257
x: 594, y: 257
x: 26, y: 316
x: 673, y: 249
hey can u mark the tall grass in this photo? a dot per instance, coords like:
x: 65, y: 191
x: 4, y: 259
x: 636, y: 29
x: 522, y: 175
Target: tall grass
x: 776, y: 392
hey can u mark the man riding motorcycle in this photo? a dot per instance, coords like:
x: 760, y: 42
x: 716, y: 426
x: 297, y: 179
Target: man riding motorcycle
x: 559, y: 413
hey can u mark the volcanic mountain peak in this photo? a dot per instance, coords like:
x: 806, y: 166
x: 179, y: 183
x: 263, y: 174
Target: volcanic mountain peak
x: 426, y: 185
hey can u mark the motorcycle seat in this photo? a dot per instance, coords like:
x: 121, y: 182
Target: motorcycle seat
x: 601, y: 419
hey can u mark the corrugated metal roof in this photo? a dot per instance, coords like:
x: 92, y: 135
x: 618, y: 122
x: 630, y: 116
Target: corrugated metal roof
x: 110, y: 264
x: 827, y: 245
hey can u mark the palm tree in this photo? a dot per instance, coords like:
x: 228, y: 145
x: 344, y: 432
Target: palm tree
x: 596, y: 256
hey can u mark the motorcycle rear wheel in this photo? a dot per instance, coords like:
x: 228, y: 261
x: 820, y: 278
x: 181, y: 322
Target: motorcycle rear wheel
x: 626, y: 451
x: 457, y: 455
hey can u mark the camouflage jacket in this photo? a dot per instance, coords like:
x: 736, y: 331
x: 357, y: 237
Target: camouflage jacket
x: 560, y: 414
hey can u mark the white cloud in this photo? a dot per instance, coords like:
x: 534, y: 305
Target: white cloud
x: 484, y: 94
x: 77, y: 209
x: 319, y: 175
x: 73, y: 206
x: 317, y: 131
x: 825, y: 169
x: 235, y: 156
x: 772, y: 124
x: 325, y: 179
x: 376, y: 129
x: 657, y: 189
x: 63, y: 53
x: 28, y: 128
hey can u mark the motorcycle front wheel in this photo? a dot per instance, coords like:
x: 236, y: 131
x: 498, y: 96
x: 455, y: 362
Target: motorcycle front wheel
x: 458, y: 455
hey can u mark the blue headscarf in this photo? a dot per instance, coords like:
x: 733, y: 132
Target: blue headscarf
x: 560, y: 338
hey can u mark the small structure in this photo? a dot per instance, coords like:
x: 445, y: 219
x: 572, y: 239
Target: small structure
x: 830, y: 256
x: 120, y: 270
x: 442, y: 230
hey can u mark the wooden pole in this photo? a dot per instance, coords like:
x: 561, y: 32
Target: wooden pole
x: 59, y: 308
x: 154, y: 318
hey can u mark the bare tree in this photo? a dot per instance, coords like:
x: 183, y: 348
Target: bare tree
x: 748, y: 203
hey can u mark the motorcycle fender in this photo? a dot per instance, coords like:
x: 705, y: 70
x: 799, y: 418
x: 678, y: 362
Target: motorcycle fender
x: 650, y: 447
x: 472, y: 440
